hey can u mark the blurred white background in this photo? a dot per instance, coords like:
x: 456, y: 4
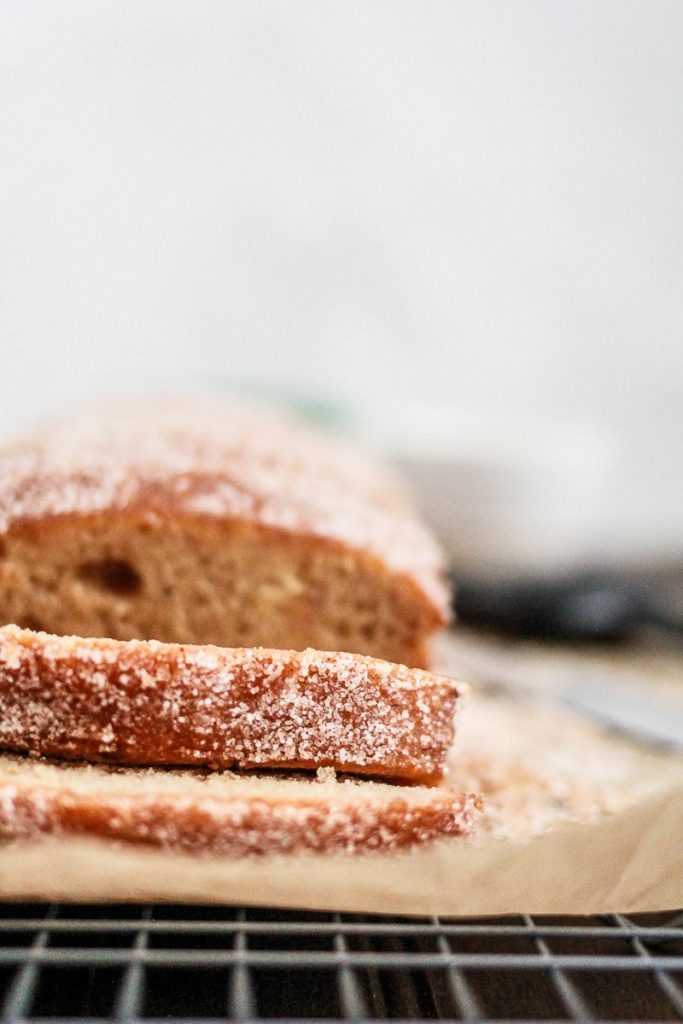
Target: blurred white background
x: 473, y: 208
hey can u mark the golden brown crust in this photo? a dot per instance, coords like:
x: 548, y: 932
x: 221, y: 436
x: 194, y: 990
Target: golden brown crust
x: 148, y: 703
x: 234, y: 816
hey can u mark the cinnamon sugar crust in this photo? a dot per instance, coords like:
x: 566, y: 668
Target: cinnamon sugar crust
x: 223, y: 814
x: 148, y: 703
x: 210, y: 523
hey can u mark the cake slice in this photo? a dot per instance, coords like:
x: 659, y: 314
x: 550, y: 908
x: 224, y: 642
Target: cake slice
x: 149, y: 703
x: 205, y: 522
x: 221, y: 813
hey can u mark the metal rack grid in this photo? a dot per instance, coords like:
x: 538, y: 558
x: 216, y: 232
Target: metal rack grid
x: 126, y: 963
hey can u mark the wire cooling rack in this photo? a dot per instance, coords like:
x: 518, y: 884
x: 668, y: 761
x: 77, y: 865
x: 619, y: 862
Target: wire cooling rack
x: 126, y: 963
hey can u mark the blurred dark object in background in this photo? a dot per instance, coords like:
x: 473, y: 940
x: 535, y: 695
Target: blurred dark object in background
x: 577, y: 608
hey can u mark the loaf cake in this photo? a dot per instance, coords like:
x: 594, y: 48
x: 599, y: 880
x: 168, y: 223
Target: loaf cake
x: 223, y: 813
x: 149, y: 703
x: 201, y: 522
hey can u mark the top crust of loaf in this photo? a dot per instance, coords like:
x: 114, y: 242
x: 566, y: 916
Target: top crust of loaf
x: 211, y: 460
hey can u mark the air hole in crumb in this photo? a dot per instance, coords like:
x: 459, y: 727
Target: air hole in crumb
x: 112, y: 574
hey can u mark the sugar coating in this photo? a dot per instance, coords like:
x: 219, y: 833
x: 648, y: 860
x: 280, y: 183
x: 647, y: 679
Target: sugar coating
x: 212, y: 460
x: 146, y: 702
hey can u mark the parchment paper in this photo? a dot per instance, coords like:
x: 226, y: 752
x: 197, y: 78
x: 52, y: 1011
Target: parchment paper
x: 576, y: 822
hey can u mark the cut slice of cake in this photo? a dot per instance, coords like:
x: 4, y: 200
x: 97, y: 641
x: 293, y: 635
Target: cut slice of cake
x: 149, y: 703
x: 220, y: 813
